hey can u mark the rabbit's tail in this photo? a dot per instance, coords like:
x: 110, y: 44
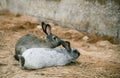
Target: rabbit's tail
x: 16, y: 57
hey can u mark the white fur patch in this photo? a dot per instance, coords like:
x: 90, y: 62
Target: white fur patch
x: 41, y: 57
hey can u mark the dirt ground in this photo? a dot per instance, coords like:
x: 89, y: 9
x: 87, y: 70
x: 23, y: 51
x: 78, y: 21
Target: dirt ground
x: 99, y: 58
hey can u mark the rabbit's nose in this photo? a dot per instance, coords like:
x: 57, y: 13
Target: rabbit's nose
x: 77, y: 52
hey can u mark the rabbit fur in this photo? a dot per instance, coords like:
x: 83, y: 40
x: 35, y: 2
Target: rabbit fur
x: 31, y: 41
x: 35, y: 58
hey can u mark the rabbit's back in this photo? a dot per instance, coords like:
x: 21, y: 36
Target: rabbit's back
x: 29, y: 39
x: 42, y: 57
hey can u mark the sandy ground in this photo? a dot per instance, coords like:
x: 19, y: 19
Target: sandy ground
x: 99, y: 58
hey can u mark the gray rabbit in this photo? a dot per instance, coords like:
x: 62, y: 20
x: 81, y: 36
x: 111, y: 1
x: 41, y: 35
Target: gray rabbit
x: 35, y: 58
x: 32, y: 41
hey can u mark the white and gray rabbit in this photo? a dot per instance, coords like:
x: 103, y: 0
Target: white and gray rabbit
x: 32, y: 41
x: 36, y: 58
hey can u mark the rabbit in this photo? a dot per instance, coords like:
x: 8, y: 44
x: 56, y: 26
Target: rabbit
x: 35, y: 58
x: 31, y: 41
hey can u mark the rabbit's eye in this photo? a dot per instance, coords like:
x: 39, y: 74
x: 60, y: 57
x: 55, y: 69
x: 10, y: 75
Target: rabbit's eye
x: 54, y: 37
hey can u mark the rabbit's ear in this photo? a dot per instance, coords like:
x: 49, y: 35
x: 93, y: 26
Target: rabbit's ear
x: 43, y: 27
x: 22, y: 61
x: 48, y: 29
x: 66, y: 45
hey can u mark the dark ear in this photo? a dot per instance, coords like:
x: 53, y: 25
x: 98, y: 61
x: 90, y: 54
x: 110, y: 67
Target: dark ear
x: 48, y: 29
x: 66, y: 45
x: 16, y: 57
x: 43, y: 26
x: 21, y: 60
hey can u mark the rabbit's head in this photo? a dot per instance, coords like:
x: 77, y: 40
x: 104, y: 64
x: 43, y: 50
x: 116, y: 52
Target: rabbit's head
x: 52, y: 40
x: 73, y: 53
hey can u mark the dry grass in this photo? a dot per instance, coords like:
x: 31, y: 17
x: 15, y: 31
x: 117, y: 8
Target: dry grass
x: 99, y: 59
